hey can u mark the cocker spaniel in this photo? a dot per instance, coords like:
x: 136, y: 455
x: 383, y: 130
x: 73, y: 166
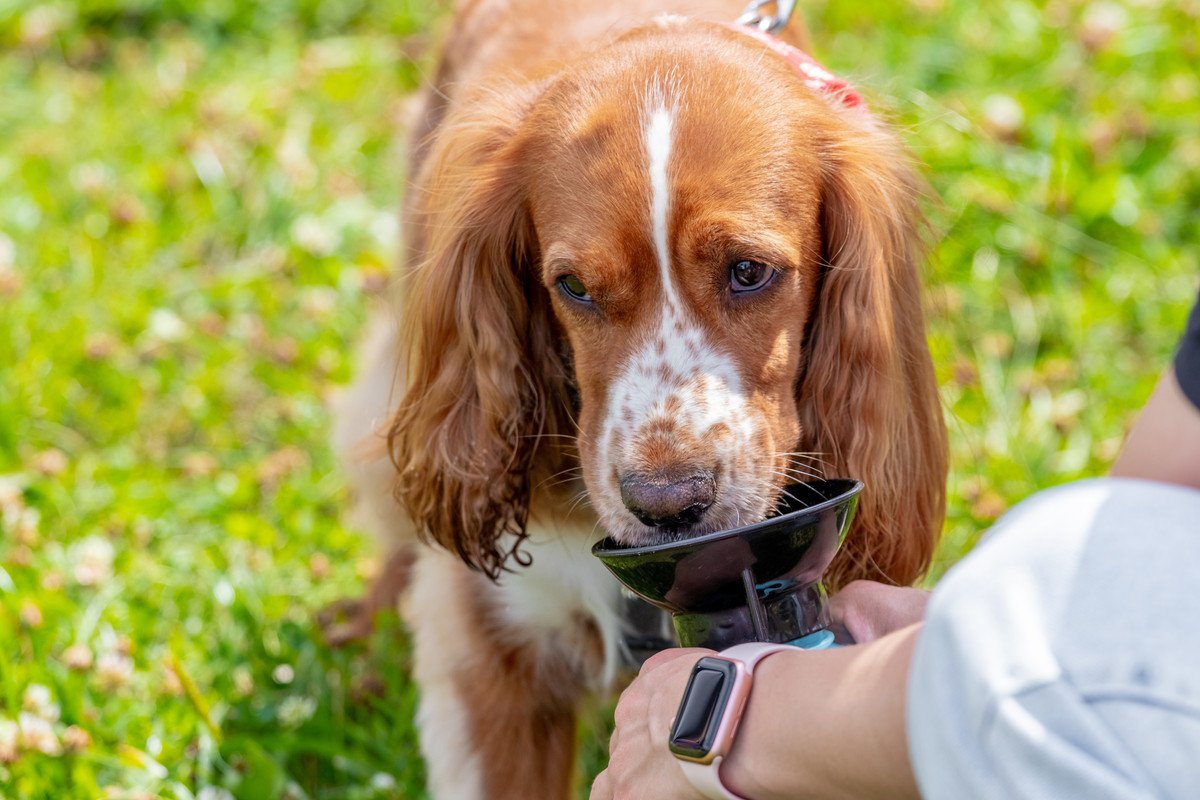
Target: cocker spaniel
x: 656, y: 269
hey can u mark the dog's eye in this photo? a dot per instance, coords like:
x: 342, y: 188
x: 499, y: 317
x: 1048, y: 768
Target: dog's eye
x: 746, y: 276
x: 574, y: 287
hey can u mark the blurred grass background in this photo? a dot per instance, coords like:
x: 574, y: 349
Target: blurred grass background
x: 197, y: 207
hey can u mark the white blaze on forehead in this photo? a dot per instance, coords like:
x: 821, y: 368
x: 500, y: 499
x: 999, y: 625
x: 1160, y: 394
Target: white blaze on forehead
x: 658, y: 149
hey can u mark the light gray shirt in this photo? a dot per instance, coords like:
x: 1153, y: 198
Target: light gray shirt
x: 1061, y: 658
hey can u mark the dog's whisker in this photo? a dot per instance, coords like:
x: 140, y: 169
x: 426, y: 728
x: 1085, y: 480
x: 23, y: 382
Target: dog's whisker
x: 811, y: 454
x: 576, y: 469
x: 808, y: 473
x: 803, y: 465
x: 802, y: 477
x: 785, y: 476
x: 560, y: 482
x: 791, y: 496
x: 815, y: 469
x: 579, y: 498
x: 806, y: 456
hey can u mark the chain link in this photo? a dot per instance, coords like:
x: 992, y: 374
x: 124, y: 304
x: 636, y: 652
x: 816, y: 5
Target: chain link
x: 754, y: 17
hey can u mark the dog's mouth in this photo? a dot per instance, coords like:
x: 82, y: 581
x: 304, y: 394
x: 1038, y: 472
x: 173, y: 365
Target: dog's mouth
x: 722, y: 517
x: 783, y: 500
x: 659, y: 534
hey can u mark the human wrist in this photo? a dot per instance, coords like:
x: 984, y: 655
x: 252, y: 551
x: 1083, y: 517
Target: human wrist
x: 762, y: 765
x: 826, y: 724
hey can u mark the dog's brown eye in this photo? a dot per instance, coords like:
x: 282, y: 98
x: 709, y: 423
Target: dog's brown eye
x: 746, y: 276
x: 574, y: 287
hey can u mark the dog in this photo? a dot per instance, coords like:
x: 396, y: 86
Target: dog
x: 656, y: 269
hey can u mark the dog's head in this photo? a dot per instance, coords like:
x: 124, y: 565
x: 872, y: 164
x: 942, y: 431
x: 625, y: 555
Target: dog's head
x: 692, y: 269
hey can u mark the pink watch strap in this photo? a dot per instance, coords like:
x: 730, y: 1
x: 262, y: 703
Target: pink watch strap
x: 706, y: 778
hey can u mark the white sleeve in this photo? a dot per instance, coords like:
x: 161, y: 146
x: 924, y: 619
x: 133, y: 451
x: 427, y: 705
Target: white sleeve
x: 1061, y: 659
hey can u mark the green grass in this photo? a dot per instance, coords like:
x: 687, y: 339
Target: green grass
x: 197, y: 207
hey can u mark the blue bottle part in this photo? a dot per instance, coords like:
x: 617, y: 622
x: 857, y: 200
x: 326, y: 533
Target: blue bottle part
x: 818, y: 640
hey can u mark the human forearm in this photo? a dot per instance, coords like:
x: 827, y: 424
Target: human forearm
x: 855, y: 745
x: 1164, y: 444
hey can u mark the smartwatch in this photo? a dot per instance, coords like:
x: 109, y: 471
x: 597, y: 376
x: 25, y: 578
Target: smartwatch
x: 710, y: 711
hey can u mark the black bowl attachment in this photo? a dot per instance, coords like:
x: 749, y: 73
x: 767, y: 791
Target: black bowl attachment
x: 759, y: 582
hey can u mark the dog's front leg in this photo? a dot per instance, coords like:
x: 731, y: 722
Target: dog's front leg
x: 497, y: 708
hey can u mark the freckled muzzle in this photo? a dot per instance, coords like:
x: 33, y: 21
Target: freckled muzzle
x: 759, y: 582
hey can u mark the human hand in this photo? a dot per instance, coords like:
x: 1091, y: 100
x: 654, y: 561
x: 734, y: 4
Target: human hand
x: 863, y: 611
x: 640, y: 765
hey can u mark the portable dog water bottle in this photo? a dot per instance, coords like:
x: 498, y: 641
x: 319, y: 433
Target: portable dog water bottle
x: 759, y: 582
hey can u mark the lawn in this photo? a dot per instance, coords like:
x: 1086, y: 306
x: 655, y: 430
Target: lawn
x: 198, y: 208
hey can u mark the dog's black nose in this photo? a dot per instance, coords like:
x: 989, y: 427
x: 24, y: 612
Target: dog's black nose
x: 668, y: 500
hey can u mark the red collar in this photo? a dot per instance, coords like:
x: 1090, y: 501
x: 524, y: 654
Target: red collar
x: 815, y: 76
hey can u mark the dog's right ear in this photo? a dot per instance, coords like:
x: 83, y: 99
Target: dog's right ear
x: 485, y: 381
x: 869, y: 398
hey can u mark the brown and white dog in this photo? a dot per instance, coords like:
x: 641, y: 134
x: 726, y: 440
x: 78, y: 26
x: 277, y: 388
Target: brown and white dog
x: 652, y: 276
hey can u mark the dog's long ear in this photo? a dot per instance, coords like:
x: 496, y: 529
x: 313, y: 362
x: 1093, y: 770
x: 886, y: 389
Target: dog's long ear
x: 868, y: 398
x: 485, y: 381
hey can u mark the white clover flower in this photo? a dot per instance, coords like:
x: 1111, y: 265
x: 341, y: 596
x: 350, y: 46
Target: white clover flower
x: 214, y: 793
x: 10, y: 279
x: 12, y: 502
x: 51, y: 462
x: 1003, y: 115
x: 75, y: 738
x: 40, y: 702
x: 26, y: 525
x: 92, y: 177
x: 113, y: 670
x: 10, y: 738
x: 93, y: 559
x: 31, y: 615
x: 38, y: 734
x: 223, y: 592
x: 1102, y: 22
x: 78, y: 657
x: 312, y: 234
x: 283, y: 674
x: 165, y: 325
x: 295, y: 711
x: 318, y: 302
x: 382, y: 782
x: 243, y: 681
x: 8, y: 252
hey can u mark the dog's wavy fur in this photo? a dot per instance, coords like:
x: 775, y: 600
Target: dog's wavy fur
x: 489, y: 385
x: 488, y: 381
x: 468, y: 442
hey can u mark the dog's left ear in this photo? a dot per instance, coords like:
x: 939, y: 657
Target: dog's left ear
x: 868, y: 398
x: 485, y: 381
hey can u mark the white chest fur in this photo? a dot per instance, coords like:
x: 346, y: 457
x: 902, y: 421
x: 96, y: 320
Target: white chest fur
x: 564, y: 583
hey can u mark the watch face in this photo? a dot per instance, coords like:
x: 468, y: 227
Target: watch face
x: 698, y: 721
